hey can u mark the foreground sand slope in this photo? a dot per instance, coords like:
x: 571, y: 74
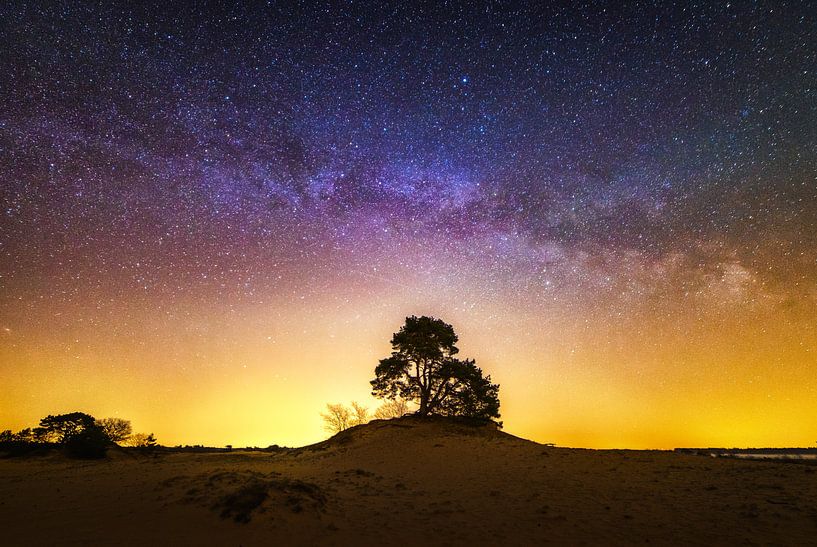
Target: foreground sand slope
x: 408, y: 482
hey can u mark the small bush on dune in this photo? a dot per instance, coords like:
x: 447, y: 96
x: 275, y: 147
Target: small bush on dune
x: 339, y: 417
x: 143, y: 443
x: 240, y: 504
x: 91, y: 443
x: 395, y: 408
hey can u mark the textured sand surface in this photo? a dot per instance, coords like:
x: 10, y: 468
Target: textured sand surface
x: 408, y: 482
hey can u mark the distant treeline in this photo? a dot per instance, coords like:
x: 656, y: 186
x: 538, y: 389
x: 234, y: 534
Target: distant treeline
x: 707, y: 451
x: 199, y: 448
x: 79, y: 434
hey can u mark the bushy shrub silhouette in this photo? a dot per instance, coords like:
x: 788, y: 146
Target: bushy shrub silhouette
x: 89, y: 444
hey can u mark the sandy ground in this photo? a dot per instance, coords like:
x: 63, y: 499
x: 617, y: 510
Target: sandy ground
x: 408, y: 483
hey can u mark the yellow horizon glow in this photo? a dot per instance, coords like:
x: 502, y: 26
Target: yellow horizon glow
x: 687, y: 380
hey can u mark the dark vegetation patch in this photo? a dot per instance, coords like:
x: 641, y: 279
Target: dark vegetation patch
x: 361, y: 472
x: 241, y: 503
x: 20, y: 449
x: 90, y: 444
x: 242, y: 495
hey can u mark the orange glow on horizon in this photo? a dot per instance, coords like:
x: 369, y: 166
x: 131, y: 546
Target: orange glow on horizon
x: 248, y: 379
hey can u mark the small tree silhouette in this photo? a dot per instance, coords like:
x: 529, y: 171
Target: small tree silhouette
x: 336, y: 418
x: 141, y: 440
x: 117, y: 429
x: 339, y: 417
x: 360, y: 414
x: 394, y: 408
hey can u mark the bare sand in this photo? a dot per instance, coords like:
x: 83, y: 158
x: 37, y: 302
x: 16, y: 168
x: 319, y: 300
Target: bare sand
x: 408, y: 482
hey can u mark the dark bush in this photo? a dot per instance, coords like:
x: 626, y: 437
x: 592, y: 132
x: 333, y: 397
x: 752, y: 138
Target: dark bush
x: 89, y: 444
x: 16, y: 449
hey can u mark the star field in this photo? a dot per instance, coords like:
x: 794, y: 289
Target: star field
x: 616, y: 206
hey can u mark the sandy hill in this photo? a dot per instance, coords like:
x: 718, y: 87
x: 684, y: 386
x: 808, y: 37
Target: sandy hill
x: 411, y: 430
x: 408, y: 482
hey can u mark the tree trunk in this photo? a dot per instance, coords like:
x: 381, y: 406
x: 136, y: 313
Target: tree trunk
x: 423, y: 404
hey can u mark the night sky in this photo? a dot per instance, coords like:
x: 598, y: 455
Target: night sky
x: 214, y: 218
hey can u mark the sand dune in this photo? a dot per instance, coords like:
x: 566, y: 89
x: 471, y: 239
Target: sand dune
x: 408, y: 482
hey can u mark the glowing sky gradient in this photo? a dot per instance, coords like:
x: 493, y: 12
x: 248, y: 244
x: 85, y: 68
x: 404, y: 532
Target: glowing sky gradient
x: 213, y: 220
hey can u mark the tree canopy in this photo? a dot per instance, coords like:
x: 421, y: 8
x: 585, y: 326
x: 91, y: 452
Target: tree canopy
x: 423, y: 368
x: 62, y: 427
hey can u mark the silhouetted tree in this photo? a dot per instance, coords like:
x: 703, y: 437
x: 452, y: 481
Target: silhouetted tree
x: 360, y: 414
x: 140, y: 440
x: 62, y: 427
x: 89, y: 443
x: 117, y: 429
x: 339, y: 417
x: 394, y: 408
x: 336, y: 418
x: 422, y: 368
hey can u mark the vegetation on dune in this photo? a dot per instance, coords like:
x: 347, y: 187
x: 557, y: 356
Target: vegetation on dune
x: 90, y: 443
x: 62, y: 428
x: 339, y: 417
x: 116, y: 429
x: 80, y: 434
x: 423, y: 369
x: 393, y: 408
x: 142, y: 440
